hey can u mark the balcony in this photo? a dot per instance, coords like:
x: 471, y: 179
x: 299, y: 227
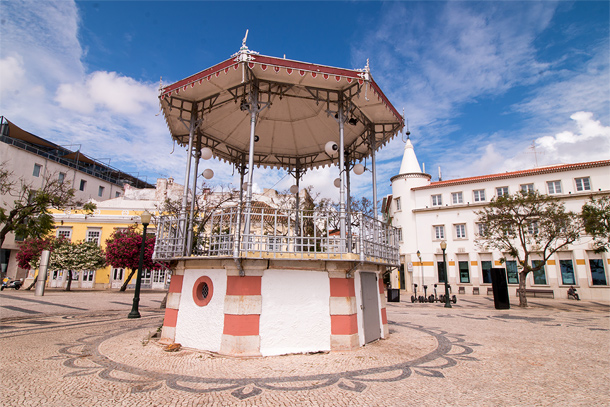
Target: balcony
x: 265, y: 233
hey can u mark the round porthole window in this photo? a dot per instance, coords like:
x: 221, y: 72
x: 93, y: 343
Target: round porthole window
x: 203, y: 290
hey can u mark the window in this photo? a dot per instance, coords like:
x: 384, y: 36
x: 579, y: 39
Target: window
x: 583, y: 184
x: 554, y: 187
x: 460, y: 231
x: 482, y: 229
x: 83, y: 183
x: 400, y: 234
x: 437, y: 200
x: 512, y: 273
x: 442, y: 275
x: 532, y: 228
x: 439, y: 232
x: 567, y: 272
x: 527, y: 188
x: 65, y: 233
x: 88, y: 275
x: 397, y: 204
x: 117, y: 194
x: 598, y: 275
x: 457, y: 198
x: 479, y: 195
x: 94, y: 236
x: 464, y: 273
x: 501, y: 191
x: 61, y: 177
x: 100, y: 191
x: 117, y: 274
x: 37, y: 168
x: 539, y: 275
x: 486, y: 271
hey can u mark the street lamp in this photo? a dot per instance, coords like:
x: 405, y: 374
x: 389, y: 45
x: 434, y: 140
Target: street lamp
x: 447, y: 299
x: 145, y: 218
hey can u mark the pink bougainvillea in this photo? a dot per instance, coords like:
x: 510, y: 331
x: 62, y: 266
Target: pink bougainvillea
x: 123, y: 250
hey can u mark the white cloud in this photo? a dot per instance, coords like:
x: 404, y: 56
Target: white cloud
x: 12, y: 74
x: 110, y: 91
x: 590, y: 143
x: 106, y: 114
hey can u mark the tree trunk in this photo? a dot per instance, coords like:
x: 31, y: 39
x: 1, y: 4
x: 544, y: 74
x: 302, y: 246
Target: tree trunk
x: 522, y: 297
x: 33, y: 283
x: 69, y: 280
x: 124, y: 286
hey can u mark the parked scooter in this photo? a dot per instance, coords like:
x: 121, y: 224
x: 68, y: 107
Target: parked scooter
x: 16, y: 284
x: 420, y: 298
x: 414, y: 297
x: 441, y: 298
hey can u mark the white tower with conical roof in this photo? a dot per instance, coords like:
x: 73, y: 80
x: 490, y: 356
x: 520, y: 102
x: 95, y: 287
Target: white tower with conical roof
x: 402, y: 205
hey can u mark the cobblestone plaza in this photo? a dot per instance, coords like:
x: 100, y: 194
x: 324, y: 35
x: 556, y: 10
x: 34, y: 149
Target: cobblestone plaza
x: 78, y: 348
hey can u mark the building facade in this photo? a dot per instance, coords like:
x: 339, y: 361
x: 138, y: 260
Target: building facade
x: 429, y: 212
x: 34, y: 160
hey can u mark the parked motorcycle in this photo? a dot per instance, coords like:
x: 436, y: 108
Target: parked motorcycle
x: 16, y: 284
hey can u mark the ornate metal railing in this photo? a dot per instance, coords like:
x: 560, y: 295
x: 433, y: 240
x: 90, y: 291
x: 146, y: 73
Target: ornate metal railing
x: 270, y: 233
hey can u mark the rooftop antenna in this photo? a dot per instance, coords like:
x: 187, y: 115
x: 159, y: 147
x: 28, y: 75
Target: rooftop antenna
x: 533, y: 148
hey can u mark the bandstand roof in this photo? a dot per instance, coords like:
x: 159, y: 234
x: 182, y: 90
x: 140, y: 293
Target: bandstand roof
x: 299, y: 102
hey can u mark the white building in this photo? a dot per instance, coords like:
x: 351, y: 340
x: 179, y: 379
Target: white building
x: 34, y: 159
x: 430, y: 212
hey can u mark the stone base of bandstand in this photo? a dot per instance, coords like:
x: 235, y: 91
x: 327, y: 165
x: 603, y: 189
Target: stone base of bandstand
x: 276, y: 307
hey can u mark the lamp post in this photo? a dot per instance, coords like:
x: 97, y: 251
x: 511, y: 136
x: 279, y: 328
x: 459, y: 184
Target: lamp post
x: 145, y: 218
x: 447, y: 299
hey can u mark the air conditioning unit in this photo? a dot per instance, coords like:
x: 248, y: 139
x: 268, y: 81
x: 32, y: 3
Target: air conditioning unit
x: 461, y: 250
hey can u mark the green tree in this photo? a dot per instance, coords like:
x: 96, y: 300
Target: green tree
x: 596, y: 221
x: 524, y: 224
x: 78, y: 256
x: 25, y: 210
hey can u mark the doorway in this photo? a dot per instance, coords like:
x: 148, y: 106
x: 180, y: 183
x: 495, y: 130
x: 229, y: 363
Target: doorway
x: 370, y: 306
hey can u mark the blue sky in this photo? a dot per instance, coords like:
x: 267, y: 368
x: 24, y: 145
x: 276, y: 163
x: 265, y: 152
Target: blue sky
x: 480, y: 82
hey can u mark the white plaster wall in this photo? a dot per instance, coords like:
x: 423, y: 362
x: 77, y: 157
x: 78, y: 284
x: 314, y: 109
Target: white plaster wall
x: 201, y: 327
x: 295, y: 314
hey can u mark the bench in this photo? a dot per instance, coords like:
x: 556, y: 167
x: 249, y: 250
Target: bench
x: 475, y: 290
x: 538, y: 292
x: 490, y: 290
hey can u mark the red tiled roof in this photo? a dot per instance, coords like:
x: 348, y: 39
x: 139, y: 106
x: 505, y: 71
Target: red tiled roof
x: 516, y: 174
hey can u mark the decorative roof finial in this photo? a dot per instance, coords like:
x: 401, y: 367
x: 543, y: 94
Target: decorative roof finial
x: 243, y: 42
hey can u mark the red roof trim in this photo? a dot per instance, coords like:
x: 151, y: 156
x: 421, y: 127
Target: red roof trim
x: 305, y: 66
x: 515, y: 174
x: 200, y: 75
x: 287, y: 64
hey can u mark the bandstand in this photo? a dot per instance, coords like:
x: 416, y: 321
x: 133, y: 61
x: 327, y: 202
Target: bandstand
x: 263, y: 281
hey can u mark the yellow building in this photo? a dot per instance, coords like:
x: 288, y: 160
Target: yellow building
x: 110, y: 215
